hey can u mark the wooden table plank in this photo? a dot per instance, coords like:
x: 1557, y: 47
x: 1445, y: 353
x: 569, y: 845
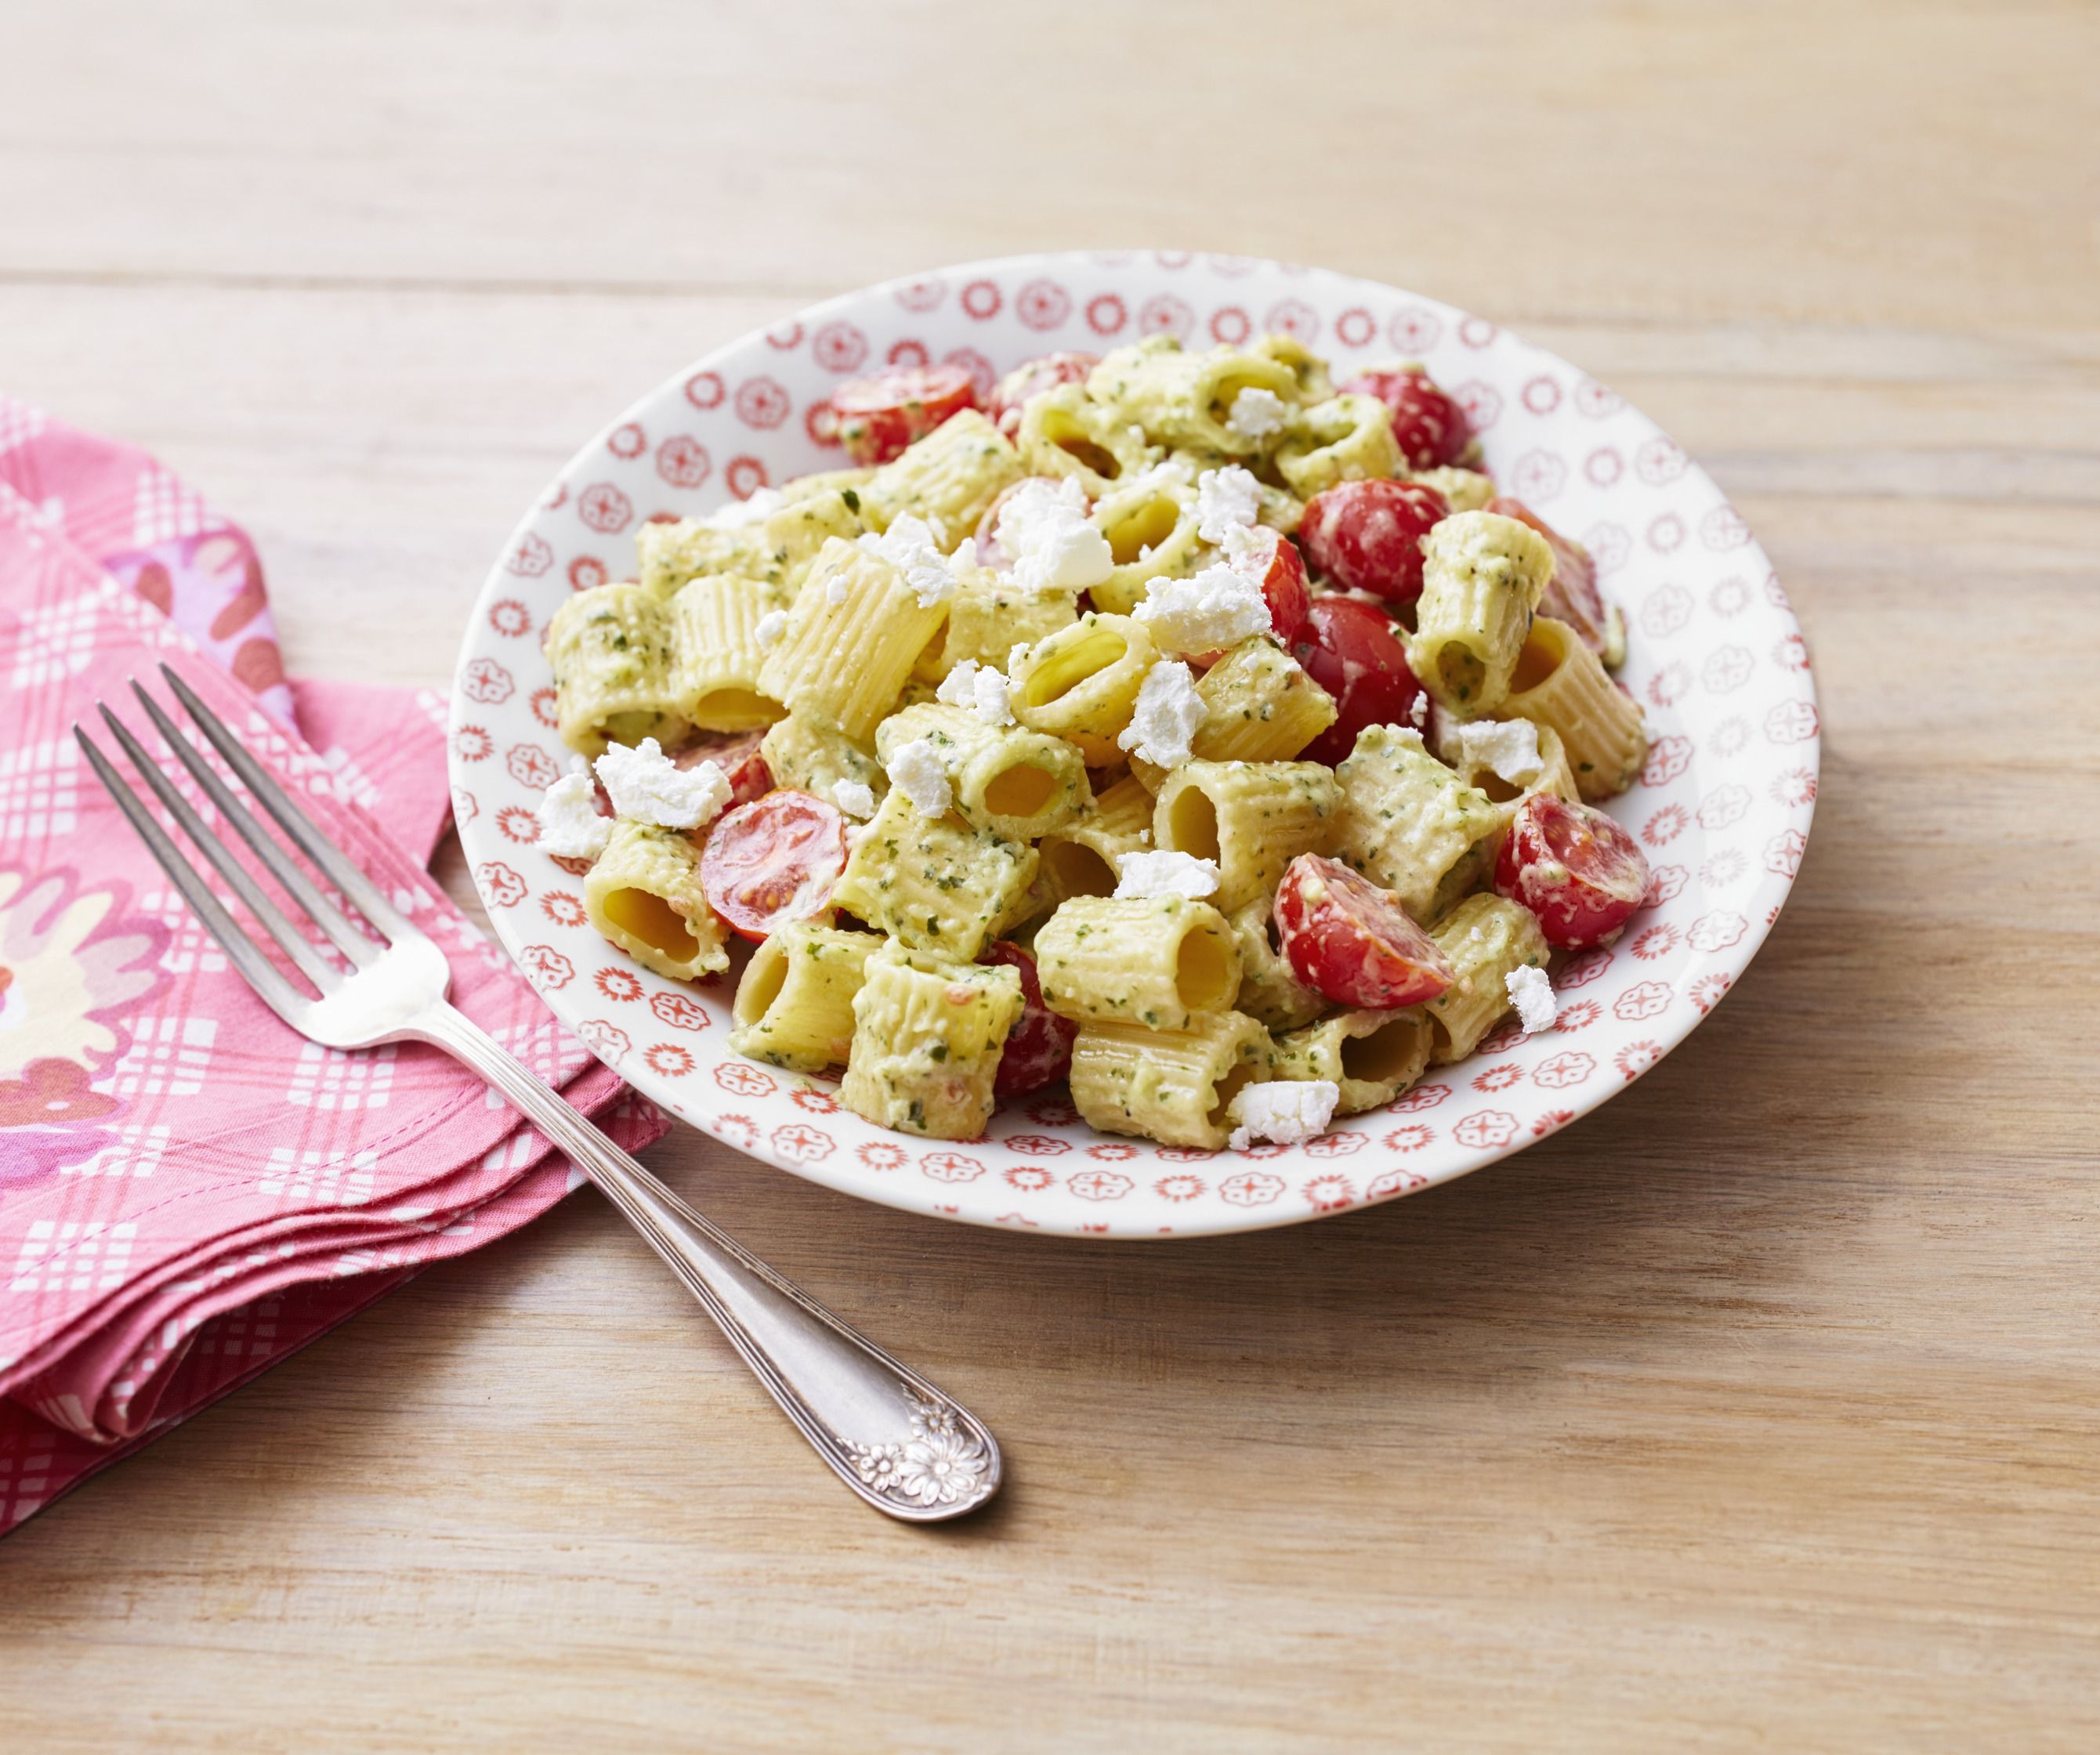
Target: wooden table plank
x: 1755, y: 1408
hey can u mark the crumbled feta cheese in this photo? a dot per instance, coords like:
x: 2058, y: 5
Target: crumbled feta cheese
x: 570, y: 825
x: 835, y: 589
x: 1172, y: 476
x: 1141, y: 876
x: 1444, y: 726
x: 1217, y: 608
x: 1045, y: 529
x: 1531, y: 994
x: 911, y: 545
x: 1418, y: 713
x: 1017, y: 655
x: 1169, y: 713
x: 1509, y: 747
x: 1256, y: 413
x: 739, y: 513
x: 916, y: 770
x: 978, y: 689
x: 1286, y: 1110
x: 771, y: 625
x: 854, y: 797
x: 645, y: 784
x: 1226, y: 498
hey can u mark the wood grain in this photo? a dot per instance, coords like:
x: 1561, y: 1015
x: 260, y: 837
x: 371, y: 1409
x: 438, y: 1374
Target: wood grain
x: 1756, y: 1409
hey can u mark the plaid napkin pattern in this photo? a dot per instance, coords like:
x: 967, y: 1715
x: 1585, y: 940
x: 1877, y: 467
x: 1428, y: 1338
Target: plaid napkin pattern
x: 189, y: 1190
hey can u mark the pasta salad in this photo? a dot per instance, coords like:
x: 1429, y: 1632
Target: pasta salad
x: 1180, y: 725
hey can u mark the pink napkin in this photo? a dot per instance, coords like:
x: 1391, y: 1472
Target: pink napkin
x: 188, y: 1190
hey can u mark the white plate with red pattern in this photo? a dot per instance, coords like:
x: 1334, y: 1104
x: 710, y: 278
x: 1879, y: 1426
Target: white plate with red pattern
x: 1715, y: 656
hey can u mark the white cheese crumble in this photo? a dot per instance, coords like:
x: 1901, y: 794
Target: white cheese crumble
x: 1043, y: 527
x: 1509, y: 747
x: 911, y: 546
x: 1141, y: 876
x: 1017, y: 655
x: 1169, y: 713
x: 1225, y: 500
x: 1171, y: 476
x: 916, y: 770
x: 1531, y: 994
x: 835, y: 589
x: 771, y: 625
x: 1218, y: 607
x: 1256, y: 413
x: 978, y: 689
x: 646, y: 785
x: 1444, y: 726
x: 856, y: 798
x: 570, y: 825
x: 739, y: 513
x: 1285, y: 1110
x: 1419, y: 712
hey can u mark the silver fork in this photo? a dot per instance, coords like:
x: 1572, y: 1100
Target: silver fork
x: 889, y: 1435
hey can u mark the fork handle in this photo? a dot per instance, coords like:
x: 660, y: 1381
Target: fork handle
x: 903, y: 1445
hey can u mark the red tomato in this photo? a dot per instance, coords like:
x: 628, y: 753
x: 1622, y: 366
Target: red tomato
x: 878, y: 417
x: 1352, y: 942
x: 1367, y: 535
x: 736, y: 754
x: 1281, y: 569
x: 1039, y: 1048
x: 1032, y: 379
x: 1430, y: 428
x: 1350, y: 648
x: 776, y: 861
x: 1574, y: 867
x: 1570, y: 594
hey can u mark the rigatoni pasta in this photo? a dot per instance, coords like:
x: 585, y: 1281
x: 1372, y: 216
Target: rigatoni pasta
x: 1069, y: 725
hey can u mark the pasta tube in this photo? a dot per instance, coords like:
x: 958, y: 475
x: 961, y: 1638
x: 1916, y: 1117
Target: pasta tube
x: 932, y: 882
x: 1482, y: 577
x: 949, y: 478
x: 1081, y: 684
x: 1372, y: 1056
x: 928, y: 1034
x: 1253, y: 818
x: 1269, y: 992
x: 988, y: 615
x: 851, y: 639
x: 1560, y: 685
x: 1261, y: 706
x: 1172, y: 1086
x: 1409, y: 823
x: 1486, y: 938
x: 775, y: 551
x: 717, y: 656
x: 1064, y: 432
x: 611, y: 651
x: 1150, y: 525
x: 1183, y: 399
x: 644, y: 895
x: 1346, y: 438
x: 1163, y: 962
x: 1008, y: 781
x: 794, y: 1005
x: 806, y: 754
x: 1080, y: 858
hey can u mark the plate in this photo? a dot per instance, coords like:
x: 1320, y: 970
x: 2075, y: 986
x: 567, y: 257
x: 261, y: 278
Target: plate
x: 1715, y: 657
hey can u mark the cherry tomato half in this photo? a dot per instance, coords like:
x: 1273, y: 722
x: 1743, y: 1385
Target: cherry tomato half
x: 1038, y: 1048
x: 1429, y: 428
x: 1367, y: 535
x: 1352, y: 650
x: 1570, y: 594
x: 776, y: 861
x: 1033, y: 377
x: 736, y: 753
x: 1574, y: 867
x: 1345, y: 937
x: 878, y: 417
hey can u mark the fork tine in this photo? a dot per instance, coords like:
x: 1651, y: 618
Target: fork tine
x: 262, y: 974
x: 312, y: 964
x: 353, y: 944
x: 364, y: 894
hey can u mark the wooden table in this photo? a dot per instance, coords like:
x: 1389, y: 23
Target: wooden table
x: 1759, y: 1409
